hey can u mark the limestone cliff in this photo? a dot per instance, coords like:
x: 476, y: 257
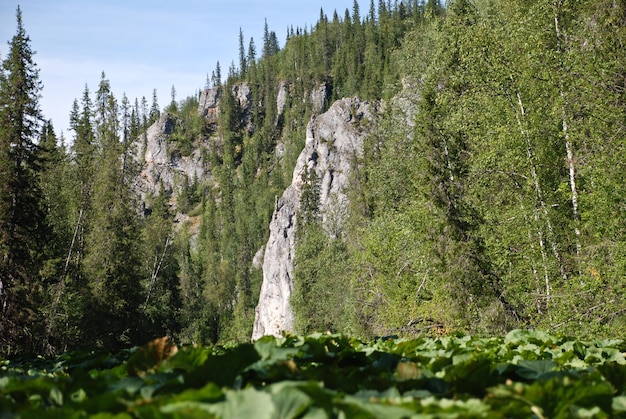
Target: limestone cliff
x: 333, y: 145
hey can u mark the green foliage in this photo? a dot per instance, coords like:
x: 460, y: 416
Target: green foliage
x: 525, y: 373
x: 319, y: 270
x: 111, y: 263
x: 190, y: 127
x: 23, y: 225
x: 249, y: 172
x: 489, y: 197
x: 161, y: 307
x: 476, y: 194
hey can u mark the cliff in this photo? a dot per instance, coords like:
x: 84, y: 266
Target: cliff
x: 334, y: 144
x: 161, y: 165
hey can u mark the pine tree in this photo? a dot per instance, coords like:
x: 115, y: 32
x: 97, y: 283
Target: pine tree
x: 22, y: 220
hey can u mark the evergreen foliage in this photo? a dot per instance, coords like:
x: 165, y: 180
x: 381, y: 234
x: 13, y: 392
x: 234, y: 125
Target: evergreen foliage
x: 23, y: 227
x: 490, y: 196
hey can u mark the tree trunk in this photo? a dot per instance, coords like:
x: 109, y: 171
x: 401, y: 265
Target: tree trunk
x: 569, y: 150
x: 520, y: 113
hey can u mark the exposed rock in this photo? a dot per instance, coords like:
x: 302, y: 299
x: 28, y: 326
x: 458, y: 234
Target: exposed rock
x: 404, y: 103
x: 257, y: 260
x: 281, y: 99
x: 243, y: 94
x: 209, y: 104
x: 160, y: 165
x: 318, y: 97
x: 334, y: 143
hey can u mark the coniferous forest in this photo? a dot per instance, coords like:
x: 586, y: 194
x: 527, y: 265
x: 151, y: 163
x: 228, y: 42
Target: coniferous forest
x: 490, y: 196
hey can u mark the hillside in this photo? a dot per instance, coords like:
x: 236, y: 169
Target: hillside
x: 413, y: 170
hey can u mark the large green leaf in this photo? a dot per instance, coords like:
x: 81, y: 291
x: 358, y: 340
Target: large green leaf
x: 289, y: 400
x: 535, y: 370
x: 245, y: 404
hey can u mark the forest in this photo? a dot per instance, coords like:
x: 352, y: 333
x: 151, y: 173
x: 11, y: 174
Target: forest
x: 490, y: 196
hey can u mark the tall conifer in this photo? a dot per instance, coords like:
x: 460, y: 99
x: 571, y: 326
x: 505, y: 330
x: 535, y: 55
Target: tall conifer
x: 22, y: 221
x: 155, y: 112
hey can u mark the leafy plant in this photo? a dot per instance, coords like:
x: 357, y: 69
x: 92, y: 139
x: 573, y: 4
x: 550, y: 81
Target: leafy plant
x: 523, y: 374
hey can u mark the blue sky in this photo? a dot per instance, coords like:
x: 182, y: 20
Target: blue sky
x: 144, y: 44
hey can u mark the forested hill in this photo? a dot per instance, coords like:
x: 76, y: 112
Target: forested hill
x: 489, y: 194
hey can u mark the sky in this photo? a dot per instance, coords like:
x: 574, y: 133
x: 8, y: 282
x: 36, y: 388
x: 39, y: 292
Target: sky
x: 143, y: 45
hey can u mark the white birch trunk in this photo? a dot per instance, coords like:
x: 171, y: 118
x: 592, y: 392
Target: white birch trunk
x: 569, y: 149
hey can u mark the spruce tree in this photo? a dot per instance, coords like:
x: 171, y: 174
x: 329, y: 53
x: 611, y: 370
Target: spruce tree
x: 155, y: 112
x: 243, y: 63
x: 58, y: 186
x: 173, y: 106
x: 125, y: 112
x: 112, y: 263
x: 22, y: 220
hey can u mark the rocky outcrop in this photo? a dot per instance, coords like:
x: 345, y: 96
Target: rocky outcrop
x: 209, y: 104
x: 160, y: 166
x: 333, y: 145
x: 319, y: 96
x: 160, y: 163
x: 281, y: 98
x: 243, y: 94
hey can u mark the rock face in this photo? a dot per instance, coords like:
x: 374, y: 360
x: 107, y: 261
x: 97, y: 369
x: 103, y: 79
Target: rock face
x: 160, y: 165
x: 243, y: 94
x: 281, y: 98
x: 334, y: 143
x: 318, y: 97
x: 209, y: 104
x: 154, y: 152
